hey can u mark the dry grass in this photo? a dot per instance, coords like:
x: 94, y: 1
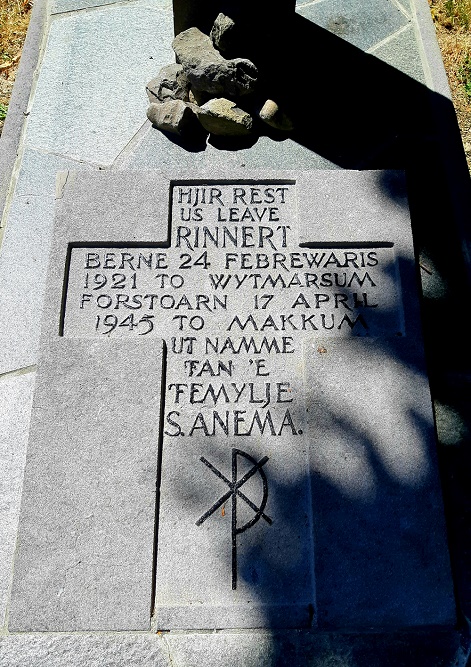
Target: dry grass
x: 14, y: 19
x: 452, y: 20
x: 452, y: 14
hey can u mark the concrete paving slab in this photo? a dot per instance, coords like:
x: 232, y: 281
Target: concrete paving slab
x: 405, y: 6
x: 11, y: 137
x: 39, y: 170
x: 305, y: 649
x: 62, y: 6
x: 401, y: 51
x: 90, y: 98
x: 257, y: 649
x: 26, y: 248
x: 164, y: 5
x: 27, y: 243
x: 16, y: 395
x: 374, y: 460
x: 245, y: 649
x: 362, y: 24
x: 301, y: 3
x: 156, y: 150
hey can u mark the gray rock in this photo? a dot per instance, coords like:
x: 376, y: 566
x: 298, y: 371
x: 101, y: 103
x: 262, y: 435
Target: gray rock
x: 207, y: 70
x: 169, y: 84
x: 271, y: 114
x: 223, y: 117
x: 173, y: 116
x: 198, y: 97
x: 222, y: 33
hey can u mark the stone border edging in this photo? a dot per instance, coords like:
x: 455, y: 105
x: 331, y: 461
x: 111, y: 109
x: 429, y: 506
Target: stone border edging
x: 450, y: 146
x: 436, y: 73
x: 14, y: 122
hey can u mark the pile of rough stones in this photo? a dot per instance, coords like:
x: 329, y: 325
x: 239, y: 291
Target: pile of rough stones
x: 205, y: 89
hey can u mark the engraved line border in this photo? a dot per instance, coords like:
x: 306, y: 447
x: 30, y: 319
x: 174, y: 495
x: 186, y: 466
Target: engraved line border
x: 224, y: 181
x: 95, y: 244
x: 346, y: 244
x: 158, y: 481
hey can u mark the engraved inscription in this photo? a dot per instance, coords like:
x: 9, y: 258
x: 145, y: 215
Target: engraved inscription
x: 235, y: 297
x: 235, y: 264
x: 234, y: 492
x: 233, y: 290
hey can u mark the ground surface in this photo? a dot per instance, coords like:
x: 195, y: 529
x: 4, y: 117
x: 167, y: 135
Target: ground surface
x: 452, y: 20
x: 14, y: 19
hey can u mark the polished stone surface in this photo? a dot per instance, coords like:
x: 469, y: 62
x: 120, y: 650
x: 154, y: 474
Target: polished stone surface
x: 89, y: 102
x: 16, y: 395
x: 84, y: 558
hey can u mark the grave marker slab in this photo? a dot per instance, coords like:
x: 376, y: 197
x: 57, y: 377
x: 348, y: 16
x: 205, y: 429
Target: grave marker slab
x: 295, y: 436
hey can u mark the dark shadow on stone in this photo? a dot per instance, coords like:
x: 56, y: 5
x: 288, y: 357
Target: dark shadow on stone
x: 346, y: 105
x: 367, y: 560
x: 360, y: 113
x: 370, y: 549
x: 232, y: 143
x: 196, y: 143
x: 257, y: 16
x: 392, y: 185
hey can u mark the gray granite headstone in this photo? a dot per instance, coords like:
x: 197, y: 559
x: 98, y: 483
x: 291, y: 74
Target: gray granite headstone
x: 249, y: 347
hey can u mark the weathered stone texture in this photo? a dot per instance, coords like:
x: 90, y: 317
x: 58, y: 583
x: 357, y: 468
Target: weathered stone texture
x: 170, y: 84
x: 84, y: 555
x: 271, y: 114
x: 206, y: 68
x: 173, y: 116
x: 223, y: 117
x: 222, y: 33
